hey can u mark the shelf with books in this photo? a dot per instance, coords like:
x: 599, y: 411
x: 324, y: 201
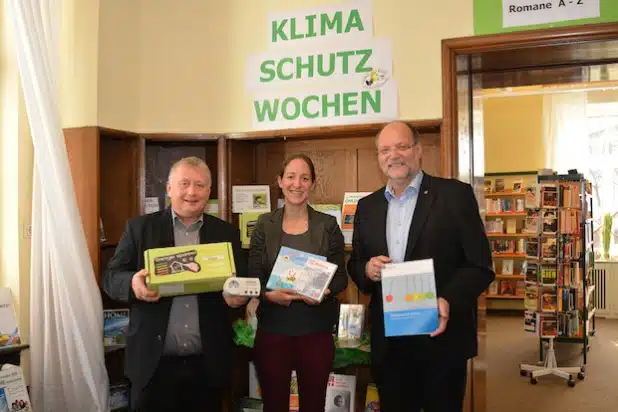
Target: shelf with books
x: 506, y: 214
x: 504, y: 194
x: 498, y: 296
x: 509, y: 255
x: 511, y: 235
x: 559, y: 304
x: 505, y: 217
x: 513, y: 277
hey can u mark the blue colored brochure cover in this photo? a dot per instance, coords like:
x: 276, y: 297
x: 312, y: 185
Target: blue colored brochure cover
x: 409, y: 298
x: 289, y: 268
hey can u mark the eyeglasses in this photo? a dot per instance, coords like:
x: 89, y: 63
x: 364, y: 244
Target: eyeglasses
x: 401, y: 147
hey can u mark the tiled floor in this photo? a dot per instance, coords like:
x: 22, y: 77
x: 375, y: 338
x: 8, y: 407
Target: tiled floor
x: 508, y: 345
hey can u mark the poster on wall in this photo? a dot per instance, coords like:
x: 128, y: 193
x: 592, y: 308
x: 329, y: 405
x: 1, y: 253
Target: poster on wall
x: 498, y: 16
x: 322, y: 67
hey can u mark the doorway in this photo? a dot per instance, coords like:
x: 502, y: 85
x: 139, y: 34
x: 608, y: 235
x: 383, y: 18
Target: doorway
x: 539, y: 58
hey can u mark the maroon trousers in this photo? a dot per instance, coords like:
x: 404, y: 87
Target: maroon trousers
x: 276, y: 356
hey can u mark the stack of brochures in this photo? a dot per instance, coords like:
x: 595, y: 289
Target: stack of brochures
x: 306, y: 273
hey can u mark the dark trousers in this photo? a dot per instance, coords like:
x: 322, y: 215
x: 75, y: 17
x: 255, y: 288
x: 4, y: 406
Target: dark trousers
x: 178, y: 384
x: 276, y: 356
x: 410, y: 380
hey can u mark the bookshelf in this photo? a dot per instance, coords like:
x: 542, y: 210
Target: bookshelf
x: 559, y: 298
x: 504, y: 216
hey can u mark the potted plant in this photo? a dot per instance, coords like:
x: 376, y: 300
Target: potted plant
x: 607, y: 234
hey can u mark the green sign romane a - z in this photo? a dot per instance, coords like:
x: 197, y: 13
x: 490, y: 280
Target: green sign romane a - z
x: 502, y: 16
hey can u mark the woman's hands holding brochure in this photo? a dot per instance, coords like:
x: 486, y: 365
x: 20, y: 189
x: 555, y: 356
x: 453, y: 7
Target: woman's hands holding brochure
x: 284, y: 297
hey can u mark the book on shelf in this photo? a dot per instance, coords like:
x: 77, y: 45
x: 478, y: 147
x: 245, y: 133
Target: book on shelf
x: 350, y: 325
x: 13, y: 392
x: 518, y: 185
x: 246, y: 223
x: 531, y: 199
x: 9, y: 329
x: 530, y: 321
x: 340, y: 393
x: 548, y: 325
x: 532, y: 272
x: 531, y: 298
x: 549, y: 196
x: 119, y: 398
x: 115, y: 327
x: 330, y: 209
x: 372, y: 398
x: 350, y: 201
x: 531, y: 224
x: 507, y: 266
x: 558, y: 271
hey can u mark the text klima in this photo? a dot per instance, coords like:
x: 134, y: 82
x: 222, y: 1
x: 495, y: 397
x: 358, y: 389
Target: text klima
x: 316, y: 25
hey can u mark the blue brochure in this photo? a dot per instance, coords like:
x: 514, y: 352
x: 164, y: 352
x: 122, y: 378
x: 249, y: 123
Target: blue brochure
x: 290, y: 267
x: 409, y: 298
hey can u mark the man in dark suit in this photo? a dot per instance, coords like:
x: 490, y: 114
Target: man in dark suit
x: 179, y: 348
x: 418, y: 216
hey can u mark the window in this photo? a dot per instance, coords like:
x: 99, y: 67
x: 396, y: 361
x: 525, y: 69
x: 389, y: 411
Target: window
x: 581, y: 132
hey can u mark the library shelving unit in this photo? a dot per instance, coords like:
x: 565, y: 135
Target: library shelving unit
x: 504, y: 216
x: 559, y: 302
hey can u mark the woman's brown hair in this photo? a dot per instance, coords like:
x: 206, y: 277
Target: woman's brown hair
x: 303, y: 157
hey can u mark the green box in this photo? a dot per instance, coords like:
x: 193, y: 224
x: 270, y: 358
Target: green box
x: 187, y: 270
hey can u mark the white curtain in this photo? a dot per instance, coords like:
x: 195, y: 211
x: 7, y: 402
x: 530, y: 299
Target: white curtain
x: 67, y: 371
x: 566, y: 131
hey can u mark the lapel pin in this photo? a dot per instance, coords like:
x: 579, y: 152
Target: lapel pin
x: 426, y: 191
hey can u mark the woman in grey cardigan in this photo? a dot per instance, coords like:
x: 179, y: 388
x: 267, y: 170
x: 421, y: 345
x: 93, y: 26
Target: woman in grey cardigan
x: 295, y: 332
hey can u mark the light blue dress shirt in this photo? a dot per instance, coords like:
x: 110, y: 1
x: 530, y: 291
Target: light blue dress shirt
x: 399, y: 217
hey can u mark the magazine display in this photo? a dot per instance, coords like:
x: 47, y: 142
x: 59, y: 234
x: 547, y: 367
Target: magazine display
x: 115, y: 326
x: 13, y: 394
x: 351, y: 319
x: 9, y: 331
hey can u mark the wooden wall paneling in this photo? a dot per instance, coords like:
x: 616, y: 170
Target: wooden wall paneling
x: 82, y: 145
x: 140, y: 174
x: 269, y: 158
x: 431, y: 161
x: 160, y: 156
x: 370, y: 176
x: 336, y: 164
x: 222, y: 178
x: 119, y: 186
x: 241, y: 168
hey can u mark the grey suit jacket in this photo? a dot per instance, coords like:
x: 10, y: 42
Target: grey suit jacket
x: 326, y: 240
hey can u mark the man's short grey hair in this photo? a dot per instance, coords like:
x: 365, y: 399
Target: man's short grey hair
x: 416, y: 137
x: 192, y: 161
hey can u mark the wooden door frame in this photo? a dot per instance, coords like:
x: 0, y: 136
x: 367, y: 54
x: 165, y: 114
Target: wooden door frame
x: 451, y: 50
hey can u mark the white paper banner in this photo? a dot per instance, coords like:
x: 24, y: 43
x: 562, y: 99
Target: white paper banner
x: 327, y: 105
x: 339, y: 62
